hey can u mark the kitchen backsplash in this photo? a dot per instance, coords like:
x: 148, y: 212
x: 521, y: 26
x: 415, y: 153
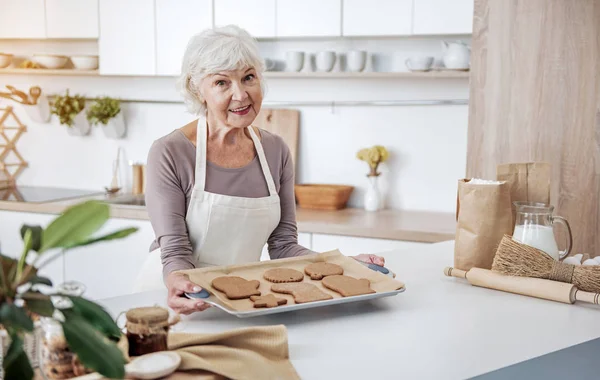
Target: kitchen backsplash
x: 427, y: 143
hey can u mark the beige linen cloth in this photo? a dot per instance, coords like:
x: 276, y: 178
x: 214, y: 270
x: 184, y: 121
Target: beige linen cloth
x: 247, y: 353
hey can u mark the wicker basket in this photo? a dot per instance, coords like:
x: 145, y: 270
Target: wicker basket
x: 323, y: 196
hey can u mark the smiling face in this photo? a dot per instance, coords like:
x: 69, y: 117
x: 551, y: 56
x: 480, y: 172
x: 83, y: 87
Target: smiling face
x: 233, y: 98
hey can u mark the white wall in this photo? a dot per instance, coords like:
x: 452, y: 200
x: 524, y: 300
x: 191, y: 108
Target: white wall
x: 427, y: 143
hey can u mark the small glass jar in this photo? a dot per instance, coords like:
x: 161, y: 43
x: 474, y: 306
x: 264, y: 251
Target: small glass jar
x: 147, y: 330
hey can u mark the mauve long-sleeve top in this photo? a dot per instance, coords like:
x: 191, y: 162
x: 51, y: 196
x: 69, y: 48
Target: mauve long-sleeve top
x: 170, y: 171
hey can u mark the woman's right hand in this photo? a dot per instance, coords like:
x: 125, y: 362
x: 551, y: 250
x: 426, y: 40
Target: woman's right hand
x: 179, y: 283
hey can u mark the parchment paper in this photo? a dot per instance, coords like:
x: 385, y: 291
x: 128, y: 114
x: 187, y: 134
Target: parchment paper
x: 254, y: 271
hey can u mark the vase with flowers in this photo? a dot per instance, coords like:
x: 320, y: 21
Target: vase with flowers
x: 373, y: 156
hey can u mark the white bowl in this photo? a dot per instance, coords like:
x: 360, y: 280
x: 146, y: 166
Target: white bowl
x: 85, y: 62
x: 5, y: 60
x: 50, y: 61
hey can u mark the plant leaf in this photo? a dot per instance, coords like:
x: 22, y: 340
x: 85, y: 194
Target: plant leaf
x: 76, y: 224
x: 112, y: 236
x: 36, y: 236
x: 16, y: 363
x: 96, y: 316
x: 94, y: 351
x: 15, y: 317
x: 40, y: 280
x: 41, y: 304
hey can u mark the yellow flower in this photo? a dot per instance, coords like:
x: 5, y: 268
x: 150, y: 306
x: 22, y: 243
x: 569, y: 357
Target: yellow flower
x: 383, y: 152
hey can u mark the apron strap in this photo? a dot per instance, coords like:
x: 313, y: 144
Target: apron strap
x: 200, y: 169
x: 263, y: 162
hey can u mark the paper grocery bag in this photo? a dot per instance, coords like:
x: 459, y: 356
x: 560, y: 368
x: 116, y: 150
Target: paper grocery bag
x: 528, y: 182
x: 483, y: 217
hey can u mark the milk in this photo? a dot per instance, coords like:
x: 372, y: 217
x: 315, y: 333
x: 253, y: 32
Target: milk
x: 538, y: 236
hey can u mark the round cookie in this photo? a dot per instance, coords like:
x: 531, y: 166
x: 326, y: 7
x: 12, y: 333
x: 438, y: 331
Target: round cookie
x: 317, y: 271
x: 279, y: 275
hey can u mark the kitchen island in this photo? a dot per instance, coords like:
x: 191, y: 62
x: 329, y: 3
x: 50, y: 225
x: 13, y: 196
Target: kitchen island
x: 438, y: 328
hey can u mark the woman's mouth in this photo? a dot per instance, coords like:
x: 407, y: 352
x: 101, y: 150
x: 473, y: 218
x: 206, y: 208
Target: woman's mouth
x: 241, y: 111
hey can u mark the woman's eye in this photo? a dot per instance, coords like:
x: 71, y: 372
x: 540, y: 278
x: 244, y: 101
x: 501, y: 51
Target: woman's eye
x: 220, y: 83
x: 249, y: 77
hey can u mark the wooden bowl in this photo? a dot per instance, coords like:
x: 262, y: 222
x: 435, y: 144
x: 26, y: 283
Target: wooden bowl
x: 323, y: 196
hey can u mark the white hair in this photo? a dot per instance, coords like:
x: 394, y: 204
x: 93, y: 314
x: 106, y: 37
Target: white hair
x: 211, y: 51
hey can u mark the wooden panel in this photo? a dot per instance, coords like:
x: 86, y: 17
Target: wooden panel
x: 535, y: 96
x: 282, y: 122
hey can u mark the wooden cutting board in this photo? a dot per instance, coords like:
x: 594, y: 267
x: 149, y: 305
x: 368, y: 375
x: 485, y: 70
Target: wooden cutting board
x: 282, y: 122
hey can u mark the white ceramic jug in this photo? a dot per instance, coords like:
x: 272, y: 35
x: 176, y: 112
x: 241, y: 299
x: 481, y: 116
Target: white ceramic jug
x: 457, y: 55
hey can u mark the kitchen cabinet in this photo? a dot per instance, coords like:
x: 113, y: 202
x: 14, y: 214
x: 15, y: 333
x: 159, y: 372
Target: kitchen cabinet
x: 72, y: 18
x: 11, y: 243
x: 256, y: 16
x: 22, y: 19
x: 304, y: 239
x: 352, y: 245
x: 176, y: 23
x: 378, y: 18
x: 109, y: 269
x: 324, y: 15
x: 127, y: 37
x: 443, y: 17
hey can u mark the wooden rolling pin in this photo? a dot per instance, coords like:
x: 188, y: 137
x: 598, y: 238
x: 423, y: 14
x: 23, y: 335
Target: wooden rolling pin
x: 532, y: 287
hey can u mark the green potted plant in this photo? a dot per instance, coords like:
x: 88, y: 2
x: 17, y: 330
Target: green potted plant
x: 90, y: 332
x: 69, y: 110
x: 107, y: 111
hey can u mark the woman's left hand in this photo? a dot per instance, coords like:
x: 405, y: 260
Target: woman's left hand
x: 370, y: 259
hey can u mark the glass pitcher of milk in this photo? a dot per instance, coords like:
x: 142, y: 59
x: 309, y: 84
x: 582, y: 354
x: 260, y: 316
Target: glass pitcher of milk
x: 535, y: 227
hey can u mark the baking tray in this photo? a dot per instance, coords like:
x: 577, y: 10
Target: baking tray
x: 299, y: 306
x: 384, y: 285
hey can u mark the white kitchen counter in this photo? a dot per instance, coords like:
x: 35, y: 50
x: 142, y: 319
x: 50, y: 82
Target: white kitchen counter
x: 439, y: 328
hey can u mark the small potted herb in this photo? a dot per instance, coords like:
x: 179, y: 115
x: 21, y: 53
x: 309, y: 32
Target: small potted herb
x: 69, y: 110
x: 107, y: 111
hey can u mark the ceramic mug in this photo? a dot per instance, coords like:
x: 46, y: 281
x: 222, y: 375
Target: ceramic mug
x: 419, y: 63
x: 356, y: 60
x: 294, y: 60
x: 325, y: 60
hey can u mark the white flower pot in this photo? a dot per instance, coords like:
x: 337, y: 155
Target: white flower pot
x: 39, y: 112
x: 115, y: 128
x: 372, y: 196
x: 81, y: 127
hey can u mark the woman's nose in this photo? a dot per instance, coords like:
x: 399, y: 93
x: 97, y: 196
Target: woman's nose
x: 239, y: 92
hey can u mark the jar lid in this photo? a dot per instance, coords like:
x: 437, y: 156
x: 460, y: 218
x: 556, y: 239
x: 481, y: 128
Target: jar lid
x: 147, y: 315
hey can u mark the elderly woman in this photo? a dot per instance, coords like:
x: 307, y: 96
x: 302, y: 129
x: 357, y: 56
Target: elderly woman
x: 217, y: 188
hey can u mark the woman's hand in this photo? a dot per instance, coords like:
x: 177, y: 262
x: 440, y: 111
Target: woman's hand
x: 370, y: 259
x: 179, y: 283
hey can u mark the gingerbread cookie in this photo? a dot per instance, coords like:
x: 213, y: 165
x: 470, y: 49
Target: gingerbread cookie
x: 348, y: 286
x: 279, y: 275
x: 236, y: 287
x: 317, y: 271
x: 267, y: 301
x: 303, y: 292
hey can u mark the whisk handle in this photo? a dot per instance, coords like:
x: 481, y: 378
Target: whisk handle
x: 453, y: 272
x: 587, y: 297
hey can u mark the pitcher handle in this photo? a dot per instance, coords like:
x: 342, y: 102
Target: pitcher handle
x: 565, y: 253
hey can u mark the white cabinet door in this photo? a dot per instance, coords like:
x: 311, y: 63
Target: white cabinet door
x: 109, y: 269
x: 304, y: 239
x: 176, y: 23
x: 378, y: 18
x: 309, y: 18
x: 22, y: 19
x: 11, y: 243
x: 127, y: 44
x: 72, y: 18
x: 443, y: 17
x: 351, y: 245
x: 256, y: 16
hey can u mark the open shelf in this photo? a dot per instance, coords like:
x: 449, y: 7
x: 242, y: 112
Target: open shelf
x: 269, y: 74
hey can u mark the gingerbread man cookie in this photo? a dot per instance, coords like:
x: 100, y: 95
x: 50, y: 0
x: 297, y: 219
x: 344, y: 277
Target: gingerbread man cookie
x: 267, y: 301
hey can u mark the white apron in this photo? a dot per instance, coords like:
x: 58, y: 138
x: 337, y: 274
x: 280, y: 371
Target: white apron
x: 223, y: 229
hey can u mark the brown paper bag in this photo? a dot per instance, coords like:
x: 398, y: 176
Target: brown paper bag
x: 483, y: 217
x: 528, y: 182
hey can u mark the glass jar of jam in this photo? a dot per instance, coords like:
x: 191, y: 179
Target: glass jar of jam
x: 147, y: 330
